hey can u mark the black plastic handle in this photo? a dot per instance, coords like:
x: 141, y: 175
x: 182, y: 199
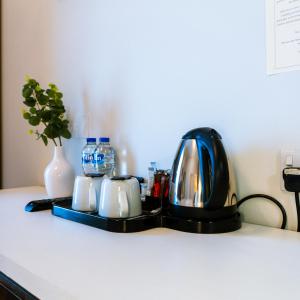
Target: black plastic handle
x: 209, y: 142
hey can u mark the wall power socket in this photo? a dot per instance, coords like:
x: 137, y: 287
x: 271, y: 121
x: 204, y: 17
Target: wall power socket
x: 288, y: 158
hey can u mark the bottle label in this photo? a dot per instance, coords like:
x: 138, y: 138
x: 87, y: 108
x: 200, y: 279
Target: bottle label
x: 87, y: 158
x: 99, y: 158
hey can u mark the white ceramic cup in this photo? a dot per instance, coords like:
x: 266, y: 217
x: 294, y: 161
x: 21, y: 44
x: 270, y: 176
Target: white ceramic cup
x: 86, y: 193
x: 120, y: 198
x: 98, y: 184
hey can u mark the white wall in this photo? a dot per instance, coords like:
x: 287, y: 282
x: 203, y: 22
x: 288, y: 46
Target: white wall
x: 145, y: 72
x: 26, y: 26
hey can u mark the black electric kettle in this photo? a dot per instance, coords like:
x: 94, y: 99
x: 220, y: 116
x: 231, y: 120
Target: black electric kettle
x: 202, y: 184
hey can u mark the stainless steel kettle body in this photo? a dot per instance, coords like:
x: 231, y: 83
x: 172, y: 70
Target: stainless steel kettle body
x: 202, y: 183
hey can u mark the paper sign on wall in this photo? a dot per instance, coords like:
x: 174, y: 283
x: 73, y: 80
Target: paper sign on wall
x: 283, y: 35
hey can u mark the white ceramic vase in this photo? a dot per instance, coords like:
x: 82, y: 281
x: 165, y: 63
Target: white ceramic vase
x: 59, y: 175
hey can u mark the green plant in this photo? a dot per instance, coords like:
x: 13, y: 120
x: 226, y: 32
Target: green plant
x: 45, y: 107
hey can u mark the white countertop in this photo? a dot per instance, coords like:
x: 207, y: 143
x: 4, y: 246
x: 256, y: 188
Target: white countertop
x: 57, y: 259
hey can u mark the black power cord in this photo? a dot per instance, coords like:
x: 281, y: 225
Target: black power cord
x: 298, y: 210
x: 284, y: 217
x: 291, y: 177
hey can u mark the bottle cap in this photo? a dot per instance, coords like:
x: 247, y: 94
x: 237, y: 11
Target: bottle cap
x: 91, y: 140
x: 104, y: 139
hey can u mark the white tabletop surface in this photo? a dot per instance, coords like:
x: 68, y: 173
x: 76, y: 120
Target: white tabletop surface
x: 58, y: 259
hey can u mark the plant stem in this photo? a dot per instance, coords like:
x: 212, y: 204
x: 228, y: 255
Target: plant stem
x: 54, y: 142
x: 59, y: 138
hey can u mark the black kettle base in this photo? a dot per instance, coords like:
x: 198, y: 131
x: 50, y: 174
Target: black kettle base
x: 229, y: 224
x: 200, y: 220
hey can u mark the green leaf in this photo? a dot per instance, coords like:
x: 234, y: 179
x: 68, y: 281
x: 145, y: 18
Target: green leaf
x: 59, y: 95
x: 32, y: 99
x: 59, y: 103
x: 60, y: 110
x: 37, y: 88
x: 32, y: 110
x: 53, y: 87
x: 27, y: 78
x: 50, y: 93
x: 45, y: 139
x: 65, y: 133
x: 42, y: 99
x: 32, y: 82
x: 46, y: 115
x: 29, y: 102
x: 34, y: 121
x: 26, y: 115
x: 27, y: 92
x: 51, y: 132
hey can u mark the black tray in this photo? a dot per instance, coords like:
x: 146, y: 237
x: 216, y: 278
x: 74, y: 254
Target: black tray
x: 148, y: 220
x: 145, y: 221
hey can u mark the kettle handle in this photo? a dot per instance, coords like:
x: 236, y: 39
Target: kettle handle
x: 211, y: 141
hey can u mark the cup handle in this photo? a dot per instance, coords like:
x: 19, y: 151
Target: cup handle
x: 92, y: 196
x: 123, y: 202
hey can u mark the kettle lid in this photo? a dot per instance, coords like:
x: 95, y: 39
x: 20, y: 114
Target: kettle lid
x: 198, y: 133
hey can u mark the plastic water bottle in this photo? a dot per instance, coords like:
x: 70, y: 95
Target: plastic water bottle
x: 87, y: 157
x: 105, y: 157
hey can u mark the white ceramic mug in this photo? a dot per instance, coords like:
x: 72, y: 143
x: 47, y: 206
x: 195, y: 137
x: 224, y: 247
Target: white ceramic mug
x: 98, y: 184
x: 120, y: 198
x: 86, y: 193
